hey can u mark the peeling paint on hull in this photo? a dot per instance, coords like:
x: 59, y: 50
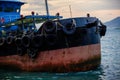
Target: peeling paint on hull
x: 72, y: 59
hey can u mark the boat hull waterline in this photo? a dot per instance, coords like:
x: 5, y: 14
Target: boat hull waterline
x: 81, y: 58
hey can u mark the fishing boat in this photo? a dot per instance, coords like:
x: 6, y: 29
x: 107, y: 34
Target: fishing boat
x: 48, y: 43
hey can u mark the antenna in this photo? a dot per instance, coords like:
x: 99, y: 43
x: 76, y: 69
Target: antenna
x: 70, y: 11
x: 47, y: 10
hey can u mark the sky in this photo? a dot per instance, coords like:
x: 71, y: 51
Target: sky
x: 105, y: 10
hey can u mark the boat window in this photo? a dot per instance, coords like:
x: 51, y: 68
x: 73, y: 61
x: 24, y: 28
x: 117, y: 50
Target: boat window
x: 9, y: 9
x: 1, y: 9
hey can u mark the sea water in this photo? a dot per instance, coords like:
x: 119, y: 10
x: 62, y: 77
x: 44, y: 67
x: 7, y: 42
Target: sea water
x: 109, y: 69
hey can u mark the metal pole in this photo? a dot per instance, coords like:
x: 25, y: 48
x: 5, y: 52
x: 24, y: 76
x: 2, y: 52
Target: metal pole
x: 70, y: 11
x: 47, y: 10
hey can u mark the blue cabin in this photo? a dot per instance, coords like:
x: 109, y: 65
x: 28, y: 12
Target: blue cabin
x: 9, y: 10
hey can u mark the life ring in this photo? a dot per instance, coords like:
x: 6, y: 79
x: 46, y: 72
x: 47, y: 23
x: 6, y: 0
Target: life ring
x: 32, y: 53
x: 49, y: 26
x: 18, y: 42
x: 69, y: 28
x: 37, y: 41
x: 26, y: 41
x: 51, y: 39
x: 2, y: 41
x: 9, y: 39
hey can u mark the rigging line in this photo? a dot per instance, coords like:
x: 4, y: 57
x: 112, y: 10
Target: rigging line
x: 70, y: 8
x: 70, y: 11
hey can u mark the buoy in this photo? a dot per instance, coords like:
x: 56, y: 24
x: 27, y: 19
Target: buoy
x: 9, y: 39
x: 102, y: 30
x: 49, y: 26
x: 37, y: 41
x: 26, y: 41
x: 69, y: 28
x: 18, y: 42
x: 2, y: 41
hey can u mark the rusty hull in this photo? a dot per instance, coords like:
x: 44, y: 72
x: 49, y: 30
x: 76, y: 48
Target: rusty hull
x: 80, y: 58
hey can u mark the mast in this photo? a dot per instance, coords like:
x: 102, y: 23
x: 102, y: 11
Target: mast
x: 47, y: 10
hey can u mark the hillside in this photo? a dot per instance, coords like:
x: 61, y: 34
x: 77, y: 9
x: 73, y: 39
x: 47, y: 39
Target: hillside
x: 113, y: 23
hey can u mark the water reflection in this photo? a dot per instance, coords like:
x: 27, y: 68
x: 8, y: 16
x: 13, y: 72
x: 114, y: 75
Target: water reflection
x: 90, y: 75
x: 111, y: 54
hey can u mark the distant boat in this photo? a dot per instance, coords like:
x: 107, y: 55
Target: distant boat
x: 48, y: 43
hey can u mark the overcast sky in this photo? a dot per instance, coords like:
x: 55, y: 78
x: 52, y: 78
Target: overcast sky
x: 103, y: 9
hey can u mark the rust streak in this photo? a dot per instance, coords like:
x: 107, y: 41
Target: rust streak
x: 62, y: 60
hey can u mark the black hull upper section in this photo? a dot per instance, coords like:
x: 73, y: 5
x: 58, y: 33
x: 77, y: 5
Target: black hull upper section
x: 81, y: 37
x: 63, y: 34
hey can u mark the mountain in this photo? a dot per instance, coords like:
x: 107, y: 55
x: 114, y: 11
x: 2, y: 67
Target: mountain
x: 113, y: 23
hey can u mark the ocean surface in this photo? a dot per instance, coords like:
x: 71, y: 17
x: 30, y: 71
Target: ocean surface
x: 109, y: 69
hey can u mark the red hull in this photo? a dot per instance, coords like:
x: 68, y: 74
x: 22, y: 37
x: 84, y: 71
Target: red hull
x: 80, y: 58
